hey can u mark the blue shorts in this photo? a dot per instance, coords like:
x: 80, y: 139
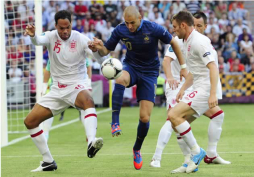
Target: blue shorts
x: 146, y: 83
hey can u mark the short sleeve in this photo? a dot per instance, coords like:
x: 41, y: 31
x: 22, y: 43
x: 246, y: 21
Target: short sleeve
x: 162, y: 34
x: 205, y: 51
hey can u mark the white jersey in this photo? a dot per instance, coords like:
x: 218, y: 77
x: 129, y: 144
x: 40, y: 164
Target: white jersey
x: 67, y: 58
x: 198, y: 53
x: 175, y: 65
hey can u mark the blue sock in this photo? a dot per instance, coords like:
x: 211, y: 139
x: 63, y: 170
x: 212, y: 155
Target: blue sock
x: 141, y: 134
x: 117, y: 101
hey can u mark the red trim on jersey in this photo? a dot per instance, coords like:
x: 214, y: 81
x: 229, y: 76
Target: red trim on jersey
x: 62, y: 85
x: 216, y: 114
x: 169, y: 106
x: 187, y: 131
x: 189, y: 103
x: 37, y: 134
x: 89, y: 115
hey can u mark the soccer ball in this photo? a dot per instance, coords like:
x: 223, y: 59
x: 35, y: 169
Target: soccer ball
x: 111, y: 68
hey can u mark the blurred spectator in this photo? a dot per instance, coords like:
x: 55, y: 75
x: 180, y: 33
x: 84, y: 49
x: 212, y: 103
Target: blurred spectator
x: 222, y: 38
x: 80, y: 10
x: 193, y: 6
x: 233, y: 56
x: 88, y: 20
x: 235, y: 13
x: 158, y: 19
x: 114, y: 21
x: 45, y: 53
x: 21, y: 46
x: 50, y: 7
x: 22, y: 10
x: 178, y: 6
x: 238, y: 4
x: 246, y: 44
x: 222, y: 65
x: 220, y: 9
x: 223, y: 21
x: 207, y: 9
x: 240, y: 37
x: 246, y: 57
x: 100, y: 24
x: 109, y: 7
x: 14, y: 54
x: 164, y: 7
x: 229, y: 45
x: 106, y: 33
x: 15, y: 73
x: 79, y: 27
x: 67, y: 5
x: 238, y: 28
x: 29, y: 54
x: 212, y: 24
x: 236, y: 66
x: 10, y: 9
x: 93, y: 9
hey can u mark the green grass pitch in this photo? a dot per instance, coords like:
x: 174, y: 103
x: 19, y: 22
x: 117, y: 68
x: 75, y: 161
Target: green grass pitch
x: 68, y: 147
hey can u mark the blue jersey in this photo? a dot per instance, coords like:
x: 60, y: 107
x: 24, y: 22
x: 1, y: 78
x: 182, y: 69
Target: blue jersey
x: 142, y: 45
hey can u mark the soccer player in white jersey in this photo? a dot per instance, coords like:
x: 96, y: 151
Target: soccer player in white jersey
x: 67, y: 53
x: 203, y: 75
x: 216, y: 114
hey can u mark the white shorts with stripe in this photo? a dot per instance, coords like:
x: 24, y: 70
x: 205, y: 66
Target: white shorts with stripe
x: 62, y: 96
x: 197, y: 100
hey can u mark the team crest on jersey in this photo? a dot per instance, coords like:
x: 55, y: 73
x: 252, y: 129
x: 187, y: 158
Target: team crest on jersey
x: 73, y: 46
x: 146, y: 38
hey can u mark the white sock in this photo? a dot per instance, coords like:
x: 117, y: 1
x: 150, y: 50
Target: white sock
x: 164, y: 136
x: 185, y: 132
x: 40, y: 141
x: 214, y: 132
x: 184, y: 148
x: 89, y: 120
x: 46, y: 126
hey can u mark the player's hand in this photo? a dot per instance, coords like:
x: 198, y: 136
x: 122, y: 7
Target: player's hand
x: 91, y: 46
x: 30, y: 30
x: 212, y: 101
x: 183, y: 73
x: 173, y: 84
x: 179, y: 95
x: 97, y: 43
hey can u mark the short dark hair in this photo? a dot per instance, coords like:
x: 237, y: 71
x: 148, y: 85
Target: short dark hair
x: 183, y: 16
x: 62, y: 14
x: 199, y: 15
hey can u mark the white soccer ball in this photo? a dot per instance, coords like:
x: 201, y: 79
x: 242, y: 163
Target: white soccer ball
x: 111, y: 68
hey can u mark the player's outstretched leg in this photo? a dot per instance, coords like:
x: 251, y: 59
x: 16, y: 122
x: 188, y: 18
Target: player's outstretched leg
x: 89, y: 120
x: 197, y: 153
x: 117, y: 101
x: 214, y: 133
x: 141, y: 134
x: 163, y: 138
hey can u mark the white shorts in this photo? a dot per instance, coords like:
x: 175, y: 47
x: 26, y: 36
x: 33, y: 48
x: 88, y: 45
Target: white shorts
x: 197, y: 100
x: 171, y: 95
x: 61, y: 96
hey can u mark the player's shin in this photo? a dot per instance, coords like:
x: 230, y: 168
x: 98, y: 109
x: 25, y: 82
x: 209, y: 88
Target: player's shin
x: 184, y: 148
x: 117, y: 101
x: 141, y: 134
x: 89, y: 120
x: 214, y: 132
x: 185, y: 132
x: 164, y: 136
x: 46, y: 126
x: 40, y: 141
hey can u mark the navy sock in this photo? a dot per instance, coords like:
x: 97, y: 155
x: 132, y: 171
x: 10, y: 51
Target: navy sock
x: 141, y: 134
x: 117, y: 101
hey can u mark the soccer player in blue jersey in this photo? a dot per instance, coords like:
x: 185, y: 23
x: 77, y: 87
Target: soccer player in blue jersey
x: 141, y: 67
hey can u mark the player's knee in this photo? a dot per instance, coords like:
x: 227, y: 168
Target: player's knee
x: 30, y: 124
x: 172, y: 116
x: 144, y: 119
x: 88, y: 103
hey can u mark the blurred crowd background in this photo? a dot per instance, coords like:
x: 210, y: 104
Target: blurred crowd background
x: 229, y: 29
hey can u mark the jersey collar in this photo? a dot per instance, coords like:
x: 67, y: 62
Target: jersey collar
x: 141, y: 23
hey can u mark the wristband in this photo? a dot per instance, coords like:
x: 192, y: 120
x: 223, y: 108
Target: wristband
x: 183, y: 66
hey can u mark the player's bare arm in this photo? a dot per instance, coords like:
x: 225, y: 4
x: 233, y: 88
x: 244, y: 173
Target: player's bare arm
x: 173, y: 84
x: 30, y: 30
x: 214, y: 74
x: 188, y: 82
x: 177, y: 50
x: 98, y: 45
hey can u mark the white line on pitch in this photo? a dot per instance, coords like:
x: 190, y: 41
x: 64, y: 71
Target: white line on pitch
x: 52, y: 128
x: 123, y: 154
